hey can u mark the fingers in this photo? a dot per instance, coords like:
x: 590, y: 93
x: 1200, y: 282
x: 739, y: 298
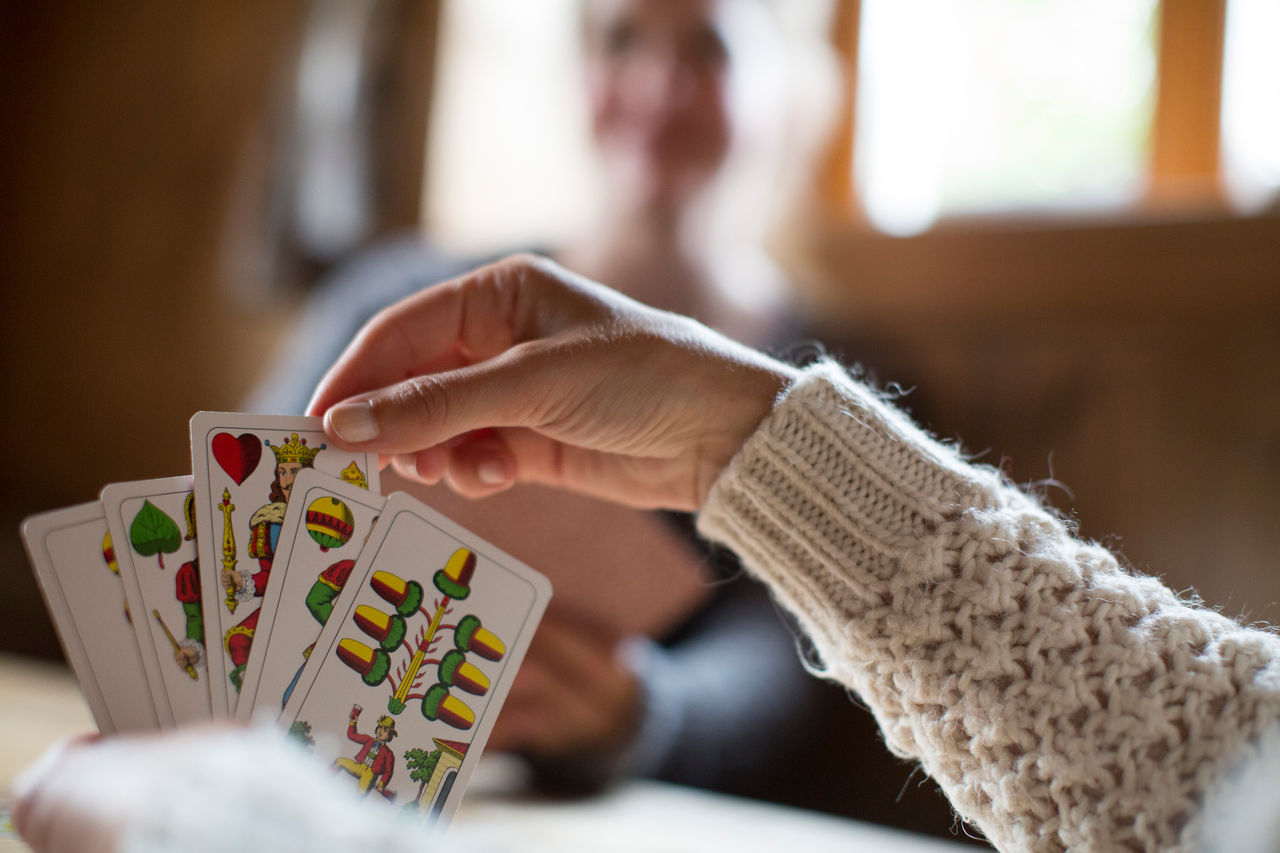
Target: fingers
x: 478, y: 469
x: 27, y: 792
x: 443, y: 327
x: 571, y: 692
x: 427, y: 410
x: 560, y: 722
x: 481, y: 465
x: 66, y: 802
x: 584, y: 656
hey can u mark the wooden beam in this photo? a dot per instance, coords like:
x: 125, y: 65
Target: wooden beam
x: 962, y: 272
x: 1184, y: 159
x: 835, y: 176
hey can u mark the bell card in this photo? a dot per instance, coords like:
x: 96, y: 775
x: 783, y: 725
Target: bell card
x: 409, y: 677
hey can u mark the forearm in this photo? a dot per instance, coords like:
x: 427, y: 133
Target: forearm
x: 193, y: 621
x: 1056, y: 698
x: 320, y: 600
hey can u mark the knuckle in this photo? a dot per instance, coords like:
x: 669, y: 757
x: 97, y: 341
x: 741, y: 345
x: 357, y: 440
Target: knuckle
x: 427, y: 399
x: 526, y: 262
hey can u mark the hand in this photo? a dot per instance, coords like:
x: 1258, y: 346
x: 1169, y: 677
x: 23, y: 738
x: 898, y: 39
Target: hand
x: 82, y: 795
x: 187, y: 656
x: 233, y: 579
x: 572, y: 695
x: 584, y: 389
x: 87, y: 797
x: 52, y: 815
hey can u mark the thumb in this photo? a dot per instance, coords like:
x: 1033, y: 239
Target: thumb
x: 428, y: 410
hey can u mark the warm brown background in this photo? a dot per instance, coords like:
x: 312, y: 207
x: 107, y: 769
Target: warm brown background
x: 138, y: 239
x: 1137, y: 361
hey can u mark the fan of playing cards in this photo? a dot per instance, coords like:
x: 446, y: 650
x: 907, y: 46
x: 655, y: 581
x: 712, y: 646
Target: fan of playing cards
x: 165, y: 627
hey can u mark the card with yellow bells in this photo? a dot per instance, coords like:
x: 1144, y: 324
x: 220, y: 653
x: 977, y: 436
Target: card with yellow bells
x: 433, y: 630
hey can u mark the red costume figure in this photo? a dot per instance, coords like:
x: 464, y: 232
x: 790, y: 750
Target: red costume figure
x: 264, y: 535
x: 328, y: 585
x: 374, y: 763
x: 190, y: 651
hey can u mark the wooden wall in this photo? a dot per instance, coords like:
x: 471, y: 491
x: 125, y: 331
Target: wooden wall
x: 123, y: 129
x: 1138, y: 364
x: 148, y: 269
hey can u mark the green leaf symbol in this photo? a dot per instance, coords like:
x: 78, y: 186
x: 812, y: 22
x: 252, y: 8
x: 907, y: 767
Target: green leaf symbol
x: 153, y: 532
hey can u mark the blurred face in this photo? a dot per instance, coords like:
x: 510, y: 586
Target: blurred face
x: 658, y: 75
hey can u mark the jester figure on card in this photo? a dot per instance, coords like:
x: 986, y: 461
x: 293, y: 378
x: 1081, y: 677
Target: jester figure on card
x: 374, y: 763
x: 264, y: 533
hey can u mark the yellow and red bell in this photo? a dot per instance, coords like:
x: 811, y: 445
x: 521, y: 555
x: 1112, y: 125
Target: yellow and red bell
x: 455, y: 670
x: 372, y: 664
x: 388, y: 630
x: 437, y: 704
x: 471, y: 636
x: 405, y: 596
x: 454, y: 580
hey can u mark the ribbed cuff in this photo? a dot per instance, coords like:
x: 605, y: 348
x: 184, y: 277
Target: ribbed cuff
x: 828, y: 494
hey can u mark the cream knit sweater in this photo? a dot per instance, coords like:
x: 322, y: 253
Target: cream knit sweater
x: 1059, y: 700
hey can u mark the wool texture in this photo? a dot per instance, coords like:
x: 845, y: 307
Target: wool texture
x: 1060, y: 701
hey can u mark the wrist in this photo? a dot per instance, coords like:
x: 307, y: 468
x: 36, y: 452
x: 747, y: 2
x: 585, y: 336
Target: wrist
x: 747, y: 401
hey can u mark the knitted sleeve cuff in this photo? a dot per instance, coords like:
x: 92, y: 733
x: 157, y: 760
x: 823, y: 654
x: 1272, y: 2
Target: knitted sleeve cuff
x: 828, y: 493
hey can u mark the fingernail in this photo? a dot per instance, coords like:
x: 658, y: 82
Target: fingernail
x: 354, y: 422
x: 491, y: 472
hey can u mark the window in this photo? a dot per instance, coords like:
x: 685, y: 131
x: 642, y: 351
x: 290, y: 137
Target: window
x: 955, y: 108
x: 1251, y: 104
x: 984, y: 105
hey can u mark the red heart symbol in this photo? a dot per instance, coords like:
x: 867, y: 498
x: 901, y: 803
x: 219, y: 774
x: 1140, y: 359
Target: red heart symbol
x: 238, y: 456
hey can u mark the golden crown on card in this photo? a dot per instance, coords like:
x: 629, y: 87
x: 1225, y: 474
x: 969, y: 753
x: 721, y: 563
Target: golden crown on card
x: 353, y: 475
x: 294, y: 450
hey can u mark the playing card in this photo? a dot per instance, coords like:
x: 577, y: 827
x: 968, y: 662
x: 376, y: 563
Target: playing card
x: 435, y: 625
x: 325, y: 527
x: 244, y: 468
x: 75, y: 564
x: 152, y: 524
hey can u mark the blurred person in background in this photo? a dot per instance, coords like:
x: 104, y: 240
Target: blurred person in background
x: 705, y: 117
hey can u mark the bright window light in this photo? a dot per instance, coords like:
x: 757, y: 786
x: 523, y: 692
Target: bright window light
x: 1002, y: 105
x: 1251, y: 104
